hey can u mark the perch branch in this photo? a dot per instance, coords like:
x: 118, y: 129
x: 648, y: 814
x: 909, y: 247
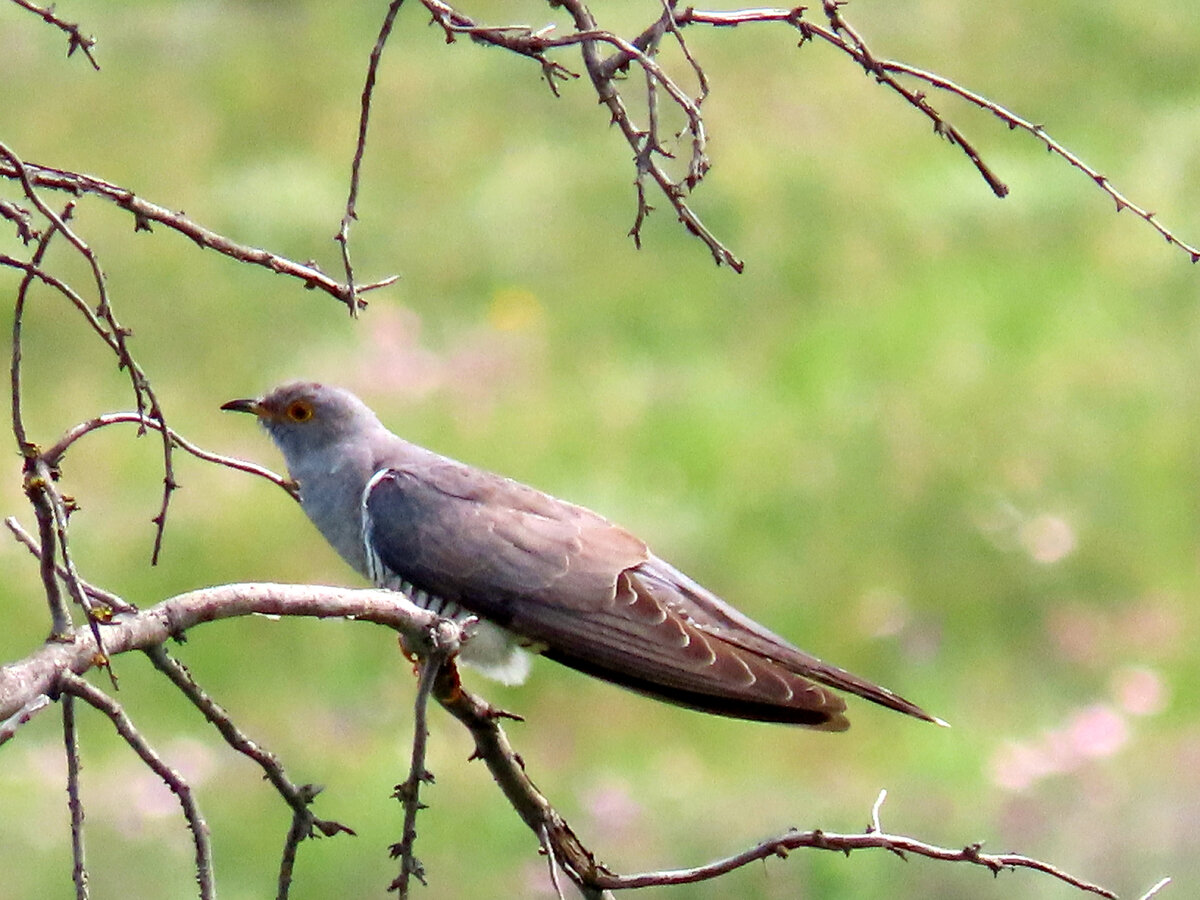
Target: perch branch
x: 57, y: 665
x: 23, y: 680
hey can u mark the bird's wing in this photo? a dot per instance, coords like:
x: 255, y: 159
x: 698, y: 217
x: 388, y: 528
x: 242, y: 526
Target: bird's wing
x: 593, y: 596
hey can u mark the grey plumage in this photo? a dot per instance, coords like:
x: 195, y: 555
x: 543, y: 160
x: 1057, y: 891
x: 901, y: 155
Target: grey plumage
x: 541, y: 572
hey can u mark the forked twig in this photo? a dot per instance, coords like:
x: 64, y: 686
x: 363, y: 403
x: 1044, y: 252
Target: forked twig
x: 69, y: 682
x: 298, y: 797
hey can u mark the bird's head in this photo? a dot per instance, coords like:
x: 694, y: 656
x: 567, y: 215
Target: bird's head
x: 303, y: 416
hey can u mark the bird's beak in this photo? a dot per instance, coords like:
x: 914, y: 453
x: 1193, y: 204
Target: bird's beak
x: 246, y: 406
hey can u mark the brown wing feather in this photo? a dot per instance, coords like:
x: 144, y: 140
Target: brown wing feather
x: 594, y: 597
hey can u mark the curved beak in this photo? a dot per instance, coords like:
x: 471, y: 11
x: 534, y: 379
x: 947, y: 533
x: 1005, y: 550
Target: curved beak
x: 246, y: 406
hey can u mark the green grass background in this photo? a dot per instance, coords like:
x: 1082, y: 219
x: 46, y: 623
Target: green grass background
x: 946, y: 441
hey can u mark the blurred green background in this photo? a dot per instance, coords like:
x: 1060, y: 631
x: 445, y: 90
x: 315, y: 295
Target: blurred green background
x: 946, y: 441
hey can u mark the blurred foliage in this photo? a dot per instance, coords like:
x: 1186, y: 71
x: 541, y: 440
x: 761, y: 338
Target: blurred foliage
x: 945, y: 441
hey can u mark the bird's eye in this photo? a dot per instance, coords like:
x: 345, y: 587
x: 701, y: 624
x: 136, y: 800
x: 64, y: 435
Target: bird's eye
x: 300, y: 411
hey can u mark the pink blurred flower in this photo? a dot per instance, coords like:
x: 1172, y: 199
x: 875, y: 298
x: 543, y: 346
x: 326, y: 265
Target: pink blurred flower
x: 1098, y: 730
x: 1138, y: 691
x: 1048, y: 538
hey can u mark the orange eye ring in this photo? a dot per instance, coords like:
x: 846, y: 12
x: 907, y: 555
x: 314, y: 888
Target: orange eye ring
x: 299, y: 411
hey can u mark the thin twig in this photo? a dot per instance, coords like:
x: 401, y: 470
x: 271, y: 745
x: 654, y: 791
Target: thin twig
x: 439, y: 649
x: 79, y: 873
x: 145, y: 212
x: 854, y: 46
x: 51, y: 512
x: 360, y: 149
x: 54, y: 454
x: 587, y: 34
x: 21, y: 219
x: 875, y: 808
x: 846, y: 843
x: 71, y: 683
x: 24, y: 446
x: 300, y: 829
x: 298, y: 797
x: 1154, y: 891
x: 60, y: 615
x: 1014, y: 121
x: 76, y: 40
x: 118, y: 337
x: 551, y: 862
x: 8, y: 728
x: 109, y: 599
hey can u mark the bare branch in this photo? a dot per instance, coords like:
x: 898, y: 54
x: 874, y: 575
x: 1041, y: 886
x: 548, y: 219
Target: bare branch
x: 1014, y: 121
x: 854, y: 46
x: 22, y: 716
x: 54, y: 454
x: 846, y: 843
x: 409, y: 793
x: 493, y: 747
x: 298, y: 797
x: 112, y: 601
x: 145, y: 212
x: 76, y: 40
x: 71, y: 683
x: 71, y: 745
x: 360, y: 148
x: 25, y: 679
x: 118, y: 336
x: 524, y: 41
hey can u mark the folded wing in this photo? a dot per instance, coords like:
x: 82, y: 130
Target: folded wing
x: 590, y: 595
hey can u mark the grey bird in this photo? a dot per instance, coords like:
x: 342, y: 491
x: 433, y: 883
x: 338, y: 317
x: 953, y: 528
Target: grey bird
x: 537, y: 572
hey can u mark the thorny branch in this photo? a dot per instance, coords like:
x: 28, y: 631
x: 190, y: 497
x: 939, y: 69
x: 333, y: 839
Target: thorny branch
x: 441, y: 646
x: 360, y: 148
x: 649, y: 152
x: 298, y: 797
x: 115, y: 626
x: 70, y: 683
x: 76, y: 39
x: 74, y: 800
x: 56, y: 667
x: 581, y: 866
x: 145, y: 213
x: 112, y: 332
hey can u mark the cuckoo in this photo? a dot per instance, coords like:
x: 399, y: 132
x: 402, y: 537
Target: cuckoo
x: 538, y: 573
